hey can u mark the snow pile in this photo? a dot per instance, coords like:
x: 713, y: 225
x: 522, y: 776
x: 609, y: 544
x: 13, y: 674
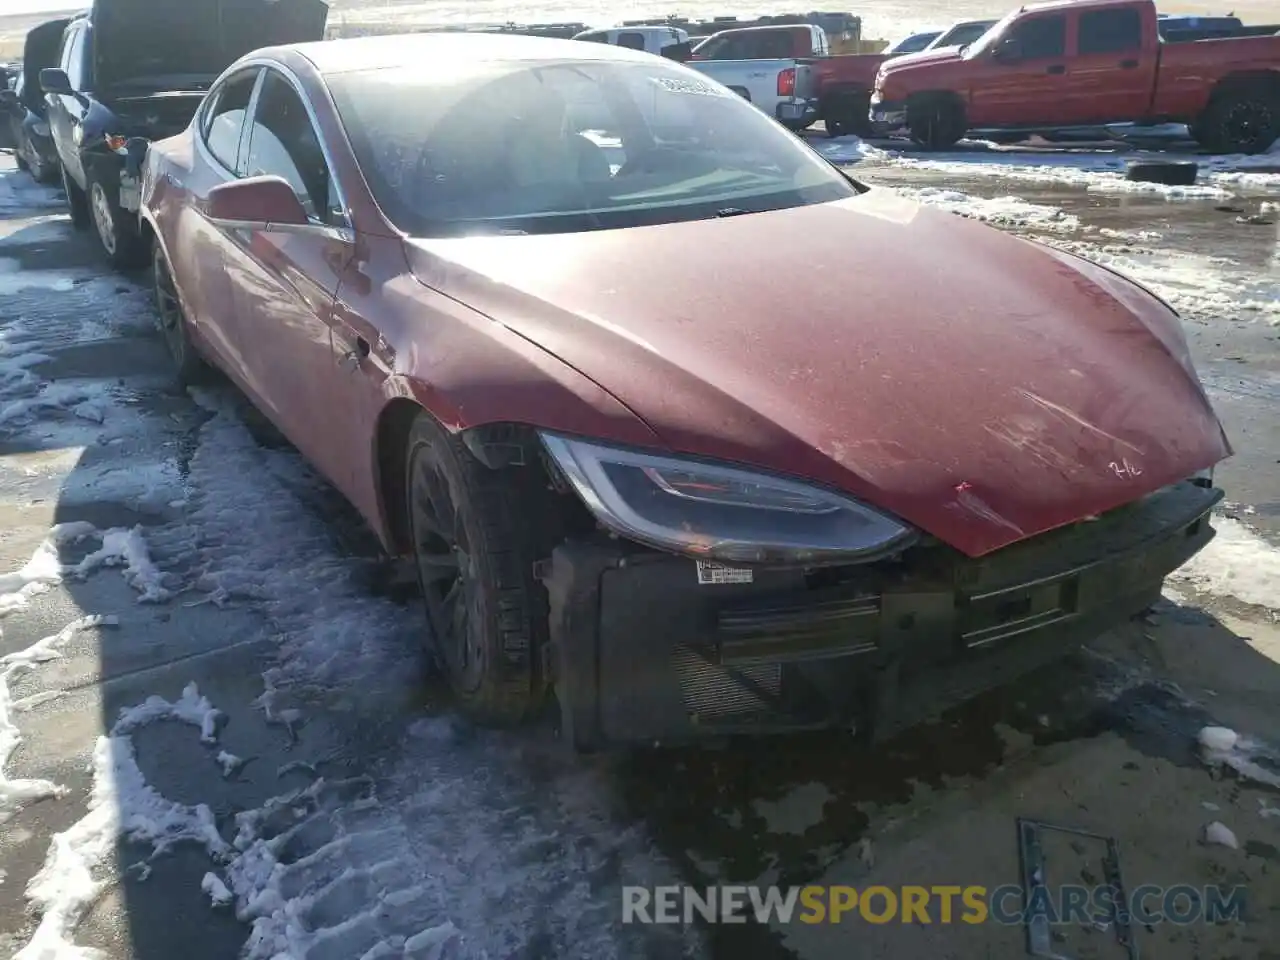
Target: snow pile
x: 1237, y: 563
x: 849, y: 149
x: 1100, y: 170
x: 120, y: 547
x: 1223, y: 747
x: 1004, y: 211
x: 15, y: 794
x: 1219, y: 834
x: 190, y: 708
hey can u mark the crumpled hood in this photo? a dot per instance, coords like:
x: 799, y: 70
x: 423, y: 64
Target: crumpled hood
x: 156, y: 38
x: 982, y: 387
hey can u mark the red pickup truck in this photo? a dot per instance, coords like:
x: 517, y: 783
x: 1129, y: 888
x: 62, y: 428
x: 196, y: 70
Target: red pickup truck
x: 1084, y: 63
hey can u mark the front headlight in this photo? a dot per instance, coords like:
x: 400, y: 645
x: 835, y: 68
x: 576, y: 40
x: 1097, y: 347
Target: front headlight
x: 721, y: 512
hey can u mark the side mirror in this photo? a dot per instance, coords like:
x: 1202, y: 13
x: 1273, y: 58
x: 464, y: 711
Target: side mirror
x: 1009, y: 51
x: 54, y: 80
x: 262, y: 202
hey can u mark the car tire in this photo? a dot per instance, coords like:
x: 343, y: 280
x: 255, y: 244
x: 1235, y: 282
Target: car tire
x: 190, y: 369
x: 77, y: 202
x: 21, y: 161
x: 41, y: 172
x: 936, y: 123
x: 1170, y: 173
x: 474, y: 551
x: 121, y: 242
x: 850, y: 111
x: 1240, y: 119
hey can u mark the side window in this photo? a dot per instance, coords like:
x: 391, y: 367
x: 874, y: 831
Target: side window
x: 223, y: 120
x: 1110, y: 31
x: 631, y: 39
x: 74, y: 64
x: 710, y: 50
x: 598, y: 37
x: 283, y: 142
x: 1042, y: 37
x: 64, y: 48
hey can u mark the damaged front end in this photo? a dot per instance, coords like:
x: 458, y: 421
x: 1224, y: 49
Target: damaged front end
x: 651, y: 644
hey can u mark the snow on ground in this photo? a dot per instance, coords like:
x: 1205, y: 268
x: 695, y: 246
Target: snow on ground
x: 1237, y: 563
x: 1198, y: 286
x: 337, y: 869
x: 77, y: 868
x: 15, y: 794
x: 1004, y: 211
x: 120, y: 547
x: 1251, y: 759
x: 1099, y: 168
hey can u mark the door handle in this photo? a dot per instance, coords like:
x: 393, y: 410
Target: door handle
x: 1056, y: 68
x: 1128, y: 64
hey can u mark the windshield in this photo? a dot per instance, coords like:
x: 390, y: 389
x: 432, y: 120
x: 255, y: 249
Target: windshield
x: 987, y: 41
x: 962, y: 35
x: 567, y: 146
x: 913, y: 44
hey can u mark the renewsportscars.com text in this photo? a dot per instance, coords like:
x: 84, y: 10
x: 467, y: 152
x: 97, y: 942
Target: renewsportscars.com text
x: 1068, y: 904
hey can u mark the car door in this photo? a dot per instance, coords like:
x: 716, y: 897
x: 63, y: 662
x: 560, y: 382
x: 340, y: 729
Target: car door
x: 197, y: 249
x: 1113, y: 74
x: 64, y: 112
x: 1030, y: 89
x: 285, y: 282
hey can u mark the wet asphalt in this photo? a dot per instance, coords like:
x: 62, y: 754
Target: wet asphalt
x: 793, y: 810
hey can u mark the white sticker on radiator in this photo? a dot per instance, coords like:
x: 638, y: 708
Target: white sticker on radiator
x: 718, y: 573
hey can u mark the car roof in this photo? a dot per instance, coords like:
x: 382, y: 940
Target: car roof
x: 767, y: 26
x: 1064, y: 5
x: 410, y: 49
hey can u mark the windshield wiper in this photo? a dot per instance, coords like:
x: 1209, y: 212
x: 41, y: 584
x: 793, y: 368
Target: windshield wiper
x: 731, y: 212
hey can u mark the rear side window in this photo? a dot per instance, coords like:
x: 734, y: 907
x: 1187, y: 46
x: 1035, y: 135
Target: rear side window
x: 73, y: 61
x: 284, y: 143
x: 1041, y: 37
x: 631, y: 40
x: 771, y: 46
x: 1110, y: 31
x: 223, y: 122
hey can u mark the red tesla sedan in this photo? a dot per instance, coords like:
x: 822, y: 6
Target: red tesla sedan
x: 685, y: 428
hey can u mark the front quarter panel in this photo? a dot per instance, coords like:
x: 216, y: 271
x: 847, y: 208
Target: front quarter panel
x: 460, y: 366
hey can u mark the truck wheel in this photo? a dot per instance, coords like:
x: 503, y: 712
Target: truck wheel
x: 936, y: 123
x: 189, y: 367
x: 77, y: 202
x: 121, y: 241
x: 1242, y: 120
x: 1170, y: 173
x: 475, y: 554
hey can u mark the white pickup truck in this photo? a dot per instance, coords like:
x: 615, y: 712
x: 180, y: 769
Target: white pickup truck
x: 658, y: 40
x: 785, y: 89
x: 767, y: 66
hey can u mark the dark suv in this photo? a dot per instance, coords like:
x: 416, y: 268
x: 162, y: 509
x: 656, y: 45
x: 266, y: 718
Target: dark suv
x: 132, y: 71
